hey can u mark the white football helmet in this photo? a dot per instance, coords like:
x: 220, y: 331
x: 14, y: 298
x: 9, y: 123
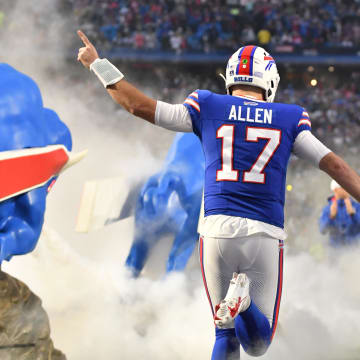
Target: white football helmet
x: 253, y: 65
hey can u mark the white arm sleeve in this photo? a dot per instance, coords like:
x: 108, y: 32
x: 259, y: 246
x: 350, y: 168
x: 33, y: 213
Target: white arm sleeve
x: 308, y: 147
x: 173, y: 117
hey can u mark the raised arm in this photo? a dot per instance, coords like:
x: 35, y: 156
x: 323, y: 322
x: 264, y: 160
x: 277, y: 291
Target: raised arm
x: 342, y: 173
x: 308, y: 147
x: 125, y: 94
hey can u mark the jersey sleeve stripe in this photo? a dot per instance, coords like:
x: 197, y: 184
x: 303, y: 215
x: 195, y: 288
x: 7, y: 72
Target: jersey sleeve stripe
x: 190, y: 97
x: 192, y: 103
x: 194, y: 94
x: 304, y: 122
x: 305, y: 114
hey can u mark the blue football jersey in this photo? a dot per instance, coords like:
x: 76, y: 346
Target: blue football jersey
x: 247, y: 146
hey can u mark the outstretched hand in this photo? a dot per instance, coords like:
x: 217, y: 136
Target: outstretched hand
x: 87, y: 54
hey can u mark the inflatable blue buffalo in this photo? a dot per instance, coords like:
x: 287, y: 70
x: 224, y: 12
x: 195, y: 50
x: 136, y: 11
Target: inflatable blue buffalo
x: 26, y: 124
x: 169, y: 203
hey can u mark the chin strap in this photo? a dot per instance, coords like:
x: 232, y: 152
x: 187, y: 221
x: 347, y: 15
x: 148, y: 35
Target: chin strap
x: 224, y: 78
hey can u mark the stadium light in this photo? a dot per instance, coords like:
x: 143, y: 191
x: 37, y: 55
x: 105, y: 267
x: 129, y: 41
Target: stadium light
x: 310, y: 68
x: 313, y: 82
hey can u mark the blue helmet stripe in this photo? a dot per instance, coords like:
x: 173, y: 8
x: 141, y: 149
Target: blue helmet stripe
x: 239, y: 57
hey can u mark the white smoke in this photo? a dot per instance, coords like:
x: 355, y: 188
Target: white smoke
x: 96, y: 310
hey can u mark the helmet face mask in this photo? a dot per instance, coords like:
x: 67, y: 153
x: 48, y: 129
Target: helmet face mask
x: 254, y: 66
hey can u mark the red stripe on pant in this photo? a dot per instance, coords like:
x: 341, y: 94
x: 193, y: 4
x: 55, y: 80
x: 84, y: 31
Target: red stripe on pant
x: 279, y: 291
x: 201, y: 253
x: 244, y: 69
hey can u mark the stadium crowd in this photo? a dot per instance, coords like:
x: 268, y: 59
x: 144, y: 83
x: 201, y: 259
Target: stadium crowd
x: 333, y: 111
x: 220, y: 25
x: 333, y: 105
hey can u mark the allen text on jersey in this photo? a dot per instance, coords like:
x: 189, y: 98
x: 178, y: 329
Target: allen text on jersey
x: 250, y: 114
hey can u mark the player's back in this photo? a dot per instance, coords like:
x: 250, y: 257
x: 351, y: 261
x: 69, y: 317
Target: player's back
x: 247, y: 145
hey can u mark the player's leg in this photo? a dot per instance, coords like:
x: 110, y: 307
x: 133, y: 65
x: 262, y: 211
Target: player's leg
x: 262, y: 262
x: 227, y: 346
x: 216, y: 274
x: 253, y: 330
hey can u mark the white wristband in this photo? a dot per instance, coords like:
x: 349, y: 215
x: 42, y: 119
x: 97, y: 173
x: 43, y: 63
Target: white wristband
x: 107, y: 73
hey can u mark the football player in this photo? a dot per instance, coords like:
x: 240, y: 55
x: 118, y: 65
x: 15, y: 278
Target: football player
x: 247, y: 141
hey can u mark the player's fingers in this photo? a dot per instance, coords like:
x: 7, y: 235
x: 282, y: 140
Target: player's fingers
x: 81, y: 53
x: 83, y: 37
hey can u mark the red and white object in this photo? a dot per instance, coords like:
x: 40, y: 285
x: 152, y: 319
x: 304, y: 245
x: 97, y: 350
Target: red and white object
x: 26, y: 169
x: 237, y: 300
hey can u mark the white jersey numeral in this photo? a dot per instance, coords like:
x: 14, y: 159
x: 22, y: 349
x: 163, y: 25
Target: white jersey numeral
x: 255, y: 174
x: 253, y: 134
x: 227, y: 172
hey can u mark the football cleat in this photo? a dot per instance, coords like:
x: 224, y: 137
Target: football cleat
x: 237, y: 300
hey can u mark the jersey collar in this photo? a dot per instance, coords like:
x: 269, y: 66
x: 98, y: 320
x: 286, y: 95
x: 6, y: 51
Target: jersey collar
x: 249, y: 97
